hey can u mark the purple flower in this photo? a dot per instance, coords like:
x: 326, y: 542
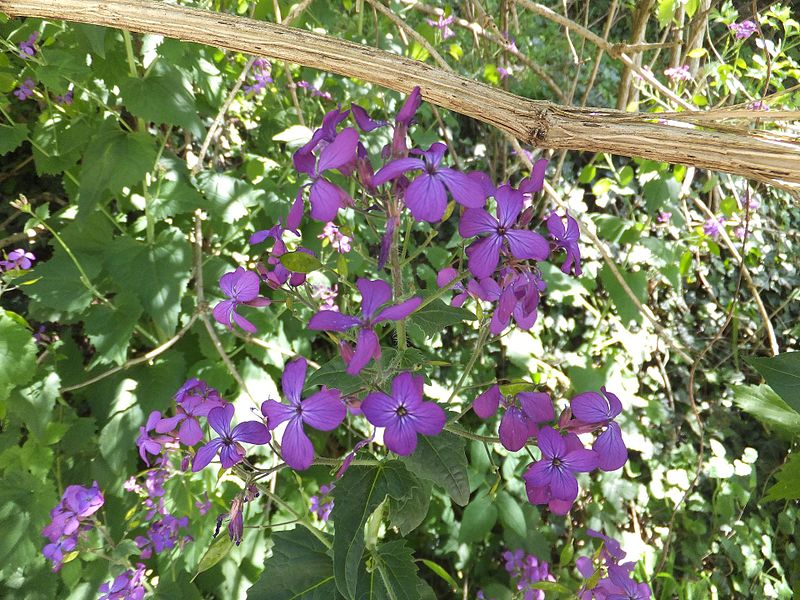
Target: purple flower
x: 189, y: 410
x: 28, y: 47
x: 261, y: 73
x: 664, y: 217
x: 680, y: 73
x: 316, y: 92
x: 426, y: 196
x: 163, y: 534
x: 363, y: 120
x: 151, y: 445
x: 504, y: 73
x: 55, y: 551
x: 593, y: 408
x: 612, y: 550
x: 484, y: 254
x: 443, y: 24
x: 404, y: 414
x: 447, y: 275
x: 322, y: 510
x: 743, y: 30
x: 77, y: 504
x: 204, y: 505
x: 627, y: 588
x: 339, y: 241
x: 126, y: 586
x: 242, y: 287
x: 229, y: 442
x: 66, y: 99
x: 25, y: 91
x: 403, y: 120
x: 348, y: 460
x: 566, y: 238
x: 18, y: 259
x: 713, y: 227
x: 374, y: 294
x: 558, y: 465
x: 758, y: 105
x: 323, y: 410
x: 325, y: 197
x: 522, y: 415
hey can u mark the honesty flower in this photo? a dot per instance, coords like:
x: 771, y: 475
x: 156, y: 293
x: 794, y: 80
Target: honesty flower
x: 374, y: 294
x: 403, y: 120
x: 18, y: 259
x: 523, y: 413
x: 680, y: 73
x: 484, y: 254
x: 627, y: 588
x: 443, y: 24
x: 126, y: 586
x: 566, y: 238
x: 558, y: 465
x: 189, y: 410
x: 426, y: 196
x: 229, y: 442
x: 323, y: 410
x: 404, y: 414
x: 25, y: 90
x: 593, y: 408
x: 242, y: 287
x: 743, y: 30
x: 28, y: 47
x: 151, y: 445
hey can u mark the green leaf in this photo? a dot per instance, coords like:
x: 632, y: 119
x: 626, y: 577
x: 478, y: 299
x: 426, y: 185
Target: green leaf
x: 357, y: 495
x: 300, y: 567
x: 782, y: 373
x: 172, y: 193
x: 11, y: 136
x: 164, y: 96
x: 333, y: 374
x: 110, y: 328
x: 17, y: 354
x: 511, y: 515
x: 443, y: 460
x: 478, y: 519
x: 114, y: 159
x: 441, y: 573
x: 398, y: 571
x: 788, y: 480
x: 408, y: 513
x: 294, y: 137
x: 766, y: 406
x: 58, y: 143
x: 300, y: 262
x: 216, y: 551
x: 437, y: 315
x: 666, y: 11
x: 231, y: 197
x: 34, y: 404
x: 157, y: 275
x: 637, y: 282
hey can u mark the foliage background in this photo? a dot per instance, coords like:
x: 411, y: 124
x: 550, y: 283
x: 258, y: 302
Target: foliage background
x: 113, y: 180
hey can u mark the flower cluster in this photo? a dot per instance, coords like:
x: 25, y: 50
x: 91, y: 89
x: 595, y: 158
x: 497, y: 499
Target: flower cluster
x: 608, y: 578
x: 69, y: 518
x: 680, y: 73
x: 525, y: 570
x: 261, y: 72
x: 333, y: 236
x: 319, y: 507
x: 743, y: 30
x: 27, y: 48
x: 18, y: 259
x: 25, y: 90
x: 128, y: 585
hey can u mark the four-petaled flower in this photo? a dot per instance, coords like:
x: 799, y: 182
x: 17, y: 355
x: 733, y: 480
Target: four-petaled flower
x: 323, y: 410
x: 426, y: 197
x: 484, y: 254
x: 18, y: 259
x: 558, y: 465
x: 229, y: 442
x: 242, y: 287
x: 593, y: 408
x: 374, y: 294
x: 404, y: 414
x: 522, y: 416
x: 566, y: 237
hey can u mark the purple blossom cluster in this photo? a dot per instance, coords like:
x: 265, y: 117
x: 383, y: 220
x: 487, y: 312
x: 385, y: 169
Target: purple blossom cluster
x: 443, y: 23
x: 18, y: 259
x: 27, y: 48
x: 261, y: 72
x: 128, y: 585
x: 25, y: 90
x: 743, y: 30
x: 680, y: 73
x: 333, y: 236
x: 71, y: 517
x: 320, y: 508
x: 608, y: 578
x: 525, y: 570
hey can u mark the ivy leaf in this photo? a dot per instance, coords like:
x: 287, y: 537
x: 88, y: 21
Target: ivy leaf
x: 109, y: 328
x: 156, y: 274
x: 11, y: 136
x: 357, y: 495
x: 443, y: 460
x: 300, y: 567
x: 114, y: 159
x: 782, y: 373
x: 478, y: 519
x: 17, y: 354
x: 437, y: 315
x: 766, y: 406
x: 788, y: 480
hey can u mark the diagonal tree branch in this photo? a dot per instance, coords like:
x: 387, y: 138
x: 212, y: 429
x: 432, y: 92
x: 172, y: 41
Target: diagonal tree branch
x: 539, y: 123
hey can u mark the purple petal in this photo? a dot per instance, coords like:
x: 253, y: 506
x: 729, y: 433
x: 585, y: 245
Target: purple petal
x: 374, y: 293
x: 486, y: 404
x: 400, y: 437
x: 535, y: 182
x: 400, y: 311
x: 499, y: 322
x: 206, y: 454
x: 590, y: 407
x: 483, y: 256
x: 190, y: 432
x: 426, y: 198
x: 525, y: 244
x: 445, y: 276
x: 551, y: 443
x: 229, y: 455
x: 295, y: 216
x: 429, y: 418
x: 379, y: 409
x: 332, y: 320
x: 407, y: 390
x: 251, y: 432
x: 220, y: 419
x: 537, y: 405
x: 585, y: 566
x: 476, y: 221
x: 581, y: 460
x: 514, y: 429
x: 464, y: 189
x: 614, y: 403
x: 293, y: 379
x: 223, y: 312
x: 539, y: 474
x: 509, y: 205
x: 296, y: 448
x: 339, y: 152
x: 326, y: 199
x: 324, y: 410
x: 410, y: 106
x: 363, y: 120
x: 167, y: 425
x: 610, y: 448
x: 243, y: 323
x: 563, y: 485
x: 367, y: 347
x: 394, y: 169
x: 276, y: 413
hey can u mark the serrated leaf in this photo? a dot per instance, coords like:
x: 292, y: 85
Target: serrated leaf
x: 300, y: 262
x: 766, y: 406
x: 58, y: 287
x: 58, y: 143
x: 11, y: 136
x: 34, y: 404
x: 409, y: 513
x: 357, y: 495
x: 156, y: 274
x: 398, y: 572
x: 300, y: 567
x: 230, y: 196
x: 782, y: 373
x: 216, y: 551
x: 788, y: 480
x: 443, y: 460
x: 437, y: 315
x: 17, y: 354
x: 478, y: 519
x: 109, y: 328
